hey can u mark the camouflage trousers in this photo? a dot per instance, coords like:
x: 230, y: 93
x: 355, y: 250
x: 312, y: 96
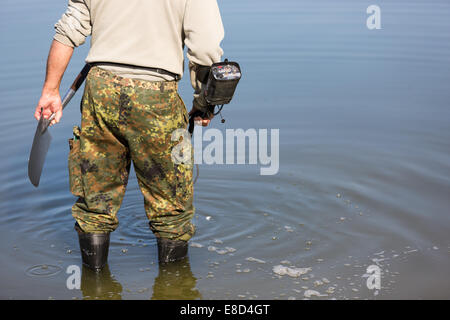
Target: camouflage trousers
x: 126, y: 120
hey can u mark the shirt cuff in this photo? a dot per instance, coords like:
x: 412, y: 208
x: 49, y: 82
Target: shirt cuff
x: 63, y: 39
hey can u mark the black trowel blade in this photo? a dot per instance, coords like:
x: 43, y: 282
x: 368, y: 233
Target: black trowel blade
x: 39, y: 149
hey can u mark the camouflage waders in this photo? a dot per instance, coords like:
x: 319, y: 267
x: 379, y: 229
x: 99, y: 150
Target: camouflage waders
x: 126, y: 120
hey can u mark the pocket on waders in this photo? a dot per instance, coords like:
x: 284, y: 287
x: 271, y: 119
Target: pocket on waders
x: 75, y: 164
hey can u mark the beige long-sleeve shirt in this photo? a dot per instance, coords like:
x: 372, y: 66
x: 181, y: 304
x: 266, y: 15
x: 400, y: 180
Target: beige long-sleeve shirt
x: 146, y: 33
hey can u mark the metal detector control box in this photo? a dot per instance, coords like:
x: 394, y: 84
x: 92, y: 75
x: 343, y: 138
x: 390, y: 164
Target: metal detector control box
x: 222, y: 81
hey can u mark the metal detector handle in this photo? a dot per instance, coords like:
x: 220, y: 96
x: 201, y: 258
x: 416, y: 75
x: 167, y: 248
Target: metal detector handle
x: 198, y: 113
x: 191, y: 120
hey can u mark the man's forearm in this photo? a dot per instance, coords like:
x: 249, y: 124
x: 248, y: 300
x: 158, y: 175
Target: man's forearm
x: 50, y: 101
x: 58, y: 59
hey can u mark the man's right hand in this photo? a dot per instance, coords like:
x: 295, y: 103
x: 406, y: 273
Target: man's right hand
x: 49, y: 103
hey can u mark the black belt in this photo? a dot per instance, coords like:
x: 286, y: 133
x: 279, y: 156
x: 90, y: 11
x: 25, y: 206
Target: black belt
x: 157, y: 70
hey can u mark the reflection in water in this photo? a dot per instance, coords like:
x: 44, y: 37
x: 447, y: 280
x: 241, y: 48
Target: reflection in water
x: 175, y: 281
x: 100, y: 285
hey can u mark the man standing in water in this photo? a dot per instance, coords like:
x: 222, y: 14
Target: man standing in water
x: 130, y: 108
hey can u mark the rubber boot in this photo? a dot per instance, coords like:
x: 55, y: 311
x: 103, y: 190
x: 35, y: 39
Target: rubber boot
x: 171, y: 250
x: 94, y: 248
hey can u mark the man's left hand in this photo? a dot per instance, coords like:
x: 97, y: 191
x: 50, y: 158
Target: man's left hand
x: 205, y: 119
